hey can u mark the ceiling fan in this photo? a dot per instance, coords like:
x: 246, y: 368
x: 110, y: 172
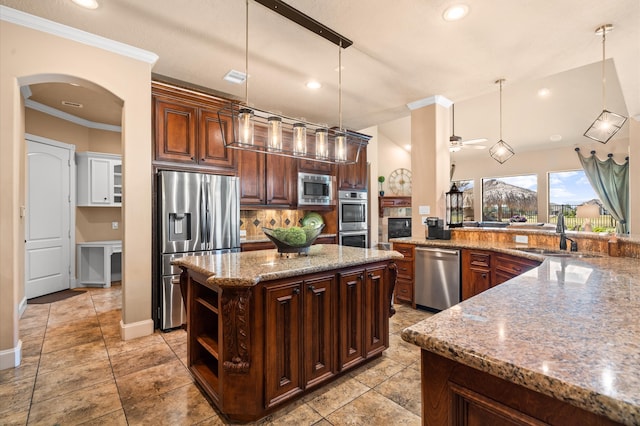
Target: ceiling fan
x: 456, y: 143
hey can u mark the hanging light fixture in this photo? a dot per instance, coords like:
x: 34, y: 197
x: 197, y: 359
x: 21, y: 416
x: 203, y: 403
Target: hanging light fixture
x: 245, y: 115
x: 287, y: 136
x: 607, y: 123
x: 455, y: 142
x: 501, y: 151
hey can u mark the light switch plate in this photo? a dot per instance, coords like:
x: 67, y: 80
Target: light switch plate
x: 522, y: 239
x: 114, y: 225
x: 424, y: 209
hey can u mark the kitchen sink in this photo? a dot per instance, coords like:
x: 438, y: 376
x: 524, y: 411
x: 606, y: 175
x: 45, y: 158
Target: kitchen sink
x: 556, y: 253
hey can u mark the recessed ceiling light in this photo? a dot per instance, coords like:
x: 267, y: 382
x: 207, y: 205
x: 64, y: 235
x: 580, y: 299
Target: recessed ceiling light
x: 235, y: 77
x: 313, y: 85
x: 455, y: 12
x: 407, y: 147
x: 88, y: 4
x: 544, y: 92
x: 555, y: 138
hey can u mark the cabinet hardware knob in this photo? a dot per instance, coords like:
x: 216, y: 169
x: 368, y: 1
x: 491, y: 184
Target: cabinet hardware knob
x: 484, y: 275
x: 360, y: 277
x: 202, y: 159
x: 370, y: 274
x: 311, y: 287
x: 192, y: 158
x: 296, y: 290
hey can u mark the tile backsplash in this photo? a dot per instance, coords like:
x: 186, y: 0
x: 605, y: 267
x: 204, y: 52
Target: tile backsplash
x: 252, y: 221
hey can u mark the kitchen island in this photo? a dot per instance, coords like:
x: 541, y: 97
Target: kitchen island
x: 559, y: 344
x: 265, y: 328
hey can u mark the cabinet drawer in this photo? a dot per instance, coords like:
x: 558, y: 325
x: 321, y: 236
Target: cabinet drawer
x: 404, y: 291
x: 482, y: 260
x: 405, y: 269
x: 513, y: 265
x: 404, y: 249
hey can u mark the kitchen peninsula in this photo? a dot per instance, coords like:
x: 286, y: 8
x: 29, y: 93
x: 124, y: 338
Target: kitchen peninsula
x: 264, y: 328
x: 559, y: 344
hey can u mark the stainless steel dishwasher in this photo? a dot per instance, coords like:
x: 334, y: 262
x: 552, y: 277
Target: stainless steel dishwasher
x: 437, y: 279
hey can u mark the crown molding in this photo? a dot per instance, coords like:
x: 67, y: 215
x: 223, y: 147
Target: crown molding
x: 28, y: 103
x: 437, y: 99
x: 18, y: 17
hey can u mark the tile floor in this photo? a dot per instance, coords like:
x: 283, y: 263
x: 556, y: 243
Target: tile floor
x: 76, y: 370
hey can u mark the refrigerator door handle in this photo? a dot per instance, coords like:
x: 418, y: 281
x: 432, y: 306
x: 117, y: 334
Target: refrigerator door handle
x: 203, y: 227
x: 207, y: 194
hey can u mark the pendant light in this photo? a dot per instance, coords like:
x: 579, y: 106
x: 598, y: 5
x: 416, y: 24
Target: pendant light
x: 455, y: 144
x: 340, y: 140
x: 607, y: 123
x: 245, y: 115
x: 501, y: 151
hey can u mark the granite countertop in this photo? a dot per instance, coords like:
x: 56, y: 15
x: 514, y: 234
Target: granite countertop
x: 568, y: 329
x: 250, y: 268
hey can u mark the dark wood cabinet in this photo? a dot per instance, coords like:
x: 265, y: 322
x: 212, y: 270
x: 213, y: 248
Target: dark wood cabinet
x: 351, y: 316
x: 507, y: 267
x: 482, y: 270
x: 476, y: 272
x: 318, y: 167
x: 283, y: 332
x: 187, y: 130
x: 376, y: 323
x: 251, y: 349
x: 353, y: 176
x: 267, y: 180
x: 456, y: 394
x: 406, y: 271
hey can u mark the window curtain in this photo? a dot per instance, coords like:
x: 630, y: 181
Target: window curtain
x: 610, y: 181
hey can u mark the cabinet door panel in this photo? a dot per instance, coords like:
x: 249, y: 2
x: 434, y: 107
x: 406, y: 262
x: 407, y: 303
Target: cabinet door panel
x: 353, y: 176
x: 211, y: 149
x: 175, y: 132
x: 283, y: 348
x: 251, y: 171
x: 280, y: 180
x: 100, y: 181
x: 351, y: 333
x: 376, y: 325
x: 318, y: 330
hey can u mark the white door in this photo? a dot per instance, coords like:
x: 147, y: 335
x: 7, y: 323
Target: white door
x: 48, y: 219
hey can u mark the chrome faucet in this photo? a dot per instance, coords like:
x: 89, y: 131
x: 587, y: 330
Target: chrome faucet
x: 560, y: 228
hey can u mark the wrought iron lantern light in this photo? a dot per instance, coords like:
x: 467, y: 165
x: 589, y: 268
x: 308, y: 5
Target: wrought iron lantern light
x: 455, y: 208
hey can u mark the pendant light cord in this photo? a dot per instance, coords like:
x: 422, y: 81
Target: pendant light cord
x: 246, y: 55
x: 340, y: 85
x: 604, y: 37
x: 501, y: 80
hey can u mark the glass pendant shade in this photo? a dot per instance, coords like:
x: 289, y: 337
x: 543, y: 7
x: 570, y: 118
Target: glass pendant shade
x: 322, y: 143
x: 245, y: 127
x: 605, y: 126
x: 501, y: 151
x: 274, y: 134
x: 341, y: 148
x: 455, y: 211
x: 299, y: 139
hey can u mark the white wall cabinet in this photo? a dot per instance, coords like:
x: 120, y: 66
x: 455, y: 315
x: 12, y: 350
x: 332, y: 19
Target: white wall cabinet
x: 99, y: 179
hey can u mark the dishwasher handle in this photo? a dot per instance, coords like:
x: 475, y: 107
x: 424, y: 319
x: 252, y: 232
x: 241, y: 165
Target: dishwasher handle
x: 438, y: 250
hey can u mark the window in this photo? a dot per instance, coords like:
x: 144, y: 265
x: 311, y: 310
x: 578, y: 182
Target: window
x: 466, y: 186
x: 568, y: 190
x: 510, y: 199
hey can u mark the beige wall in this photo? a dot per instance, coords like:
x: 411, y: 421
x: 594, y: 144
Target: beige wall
x: 28, y: 57
x: 634, y: 174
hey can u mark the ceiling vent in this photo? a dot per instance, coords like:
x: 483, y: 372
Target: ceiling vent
x: 72, y: 104
x: 235, y: 77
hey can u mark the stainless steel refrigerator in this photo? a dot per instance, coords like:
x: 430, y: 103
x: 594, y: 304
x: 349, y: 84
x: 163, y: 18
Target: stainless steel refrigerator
x: 200, y: 215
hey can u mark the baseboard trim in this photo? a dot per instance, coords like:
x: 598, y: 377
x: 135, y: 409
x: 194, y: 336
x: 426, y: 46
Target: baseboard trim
x: 10, y: 358
x: 136, y: 329
x: 22, y: 306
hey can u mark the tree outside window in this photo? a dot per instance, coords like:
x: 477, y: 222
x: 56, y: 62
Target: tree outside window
x: 510, y: 199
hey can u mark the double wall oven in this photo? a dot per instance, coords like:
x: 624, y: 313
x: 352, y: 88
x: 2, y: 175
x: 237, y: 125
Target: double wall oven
x: 353, y: 225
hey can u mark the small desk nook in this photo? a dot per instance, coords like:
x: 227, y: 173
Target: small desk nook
x: 96, y: 264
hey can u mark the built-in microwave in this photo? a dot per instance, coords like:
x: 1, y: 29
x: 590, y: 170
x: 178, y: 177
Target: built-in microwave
x: 315, y: 190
